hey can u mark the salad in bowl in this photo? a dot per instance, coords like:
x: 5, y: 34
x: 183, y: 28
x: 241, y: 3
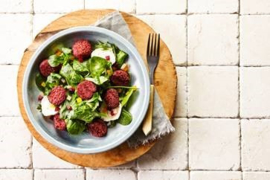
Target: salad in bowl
x: 85, y: 88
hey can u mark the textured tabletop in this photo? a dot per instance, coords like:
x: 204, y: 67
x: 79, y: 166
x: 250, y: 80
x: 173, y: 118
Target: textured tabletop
x: 222, y: 117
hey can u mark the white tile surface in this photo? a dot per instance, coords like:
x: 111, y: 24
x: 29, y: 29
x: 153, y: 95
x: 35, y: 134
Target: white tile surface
x: 254, y: 41
x: 15, y: 36
x: 15, y: 142
x: 16, y: 174
x: 42, y: 158
x: 163, y: 175
x: 255, y: 145
x: 40, y: 21
x: 174, y: 37
x: 214, y: 144
x: 110, y: 175
x: 254, y: 92
x: 59, y: 6
x: 212, y: 40
x: 170, y: 152
x: 201, y: 175
x: 181, y: 100
x: 198, y: 145
x: 160, y: 7
x: 213, y: 91
x: 8, y: 95
x: 213, y: 6
x: 255, y: 7
x: 256, y: 175
x: 16, y: 6
x: 121, y: 5
x: 58, y: 174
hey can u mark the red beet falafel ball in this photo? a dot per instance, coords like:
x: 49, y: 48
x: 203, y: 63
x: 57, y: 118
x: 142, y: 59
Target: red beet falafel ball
x: 57, y: 95
x: 98, y: 128
x: 81, y: 49
x: 120, y: 78
x: 111, y: 98
x: 86, y: 89
x: 45, y: 68
x: 59, y: 124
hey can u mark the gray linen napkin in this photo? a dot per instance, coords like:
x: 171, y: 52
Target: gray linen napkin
x: 161, y: 122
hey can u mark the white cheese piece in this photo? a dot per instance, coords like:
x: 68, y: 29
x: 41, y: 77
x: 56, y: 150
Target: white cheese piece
x: 113, y: 114
x: 103, y: 54
x: 47, y: 108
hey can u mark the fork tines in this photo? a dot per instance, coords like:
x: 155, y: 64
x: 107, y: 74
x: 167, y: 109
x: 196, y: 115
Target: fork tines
x: 153, y: 44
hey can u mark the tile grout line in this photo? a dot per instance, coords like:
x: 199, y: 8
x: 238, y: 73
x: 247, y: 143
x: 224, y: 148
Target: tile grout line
x: 239, y: 87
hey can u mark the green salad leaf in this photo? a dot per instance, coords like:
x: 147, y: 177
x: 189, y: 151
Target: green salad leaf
x: 56, y: 60
x: 75, y: 127
x: 99, y: 80
x: 127, y: 96
x: 70, y: 75
x: 83, y: 112
x: 40, y: 82
x: 125, y: 117
x: 98, y: 66
x: 121, y: 57
x: 80, y: 67
x: 53, y: 80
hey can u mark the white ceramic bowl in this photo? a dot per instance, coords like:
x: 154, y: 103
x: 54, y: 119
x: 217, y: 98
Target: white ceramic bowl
x: 85, y: 143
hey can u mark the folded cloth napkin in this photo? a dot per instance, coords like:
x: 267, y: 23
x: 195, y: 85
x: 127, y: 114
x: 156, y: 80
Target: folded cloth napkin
x: 161, y: 122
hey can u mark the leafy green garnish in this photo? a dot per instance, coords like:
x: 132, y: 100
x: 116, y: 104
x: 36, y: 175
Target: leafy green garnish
x: 121, y: 57
x: 39, y: 107
x: 40, y: 80
x: 125, y: 117
x: 127, y: 96
x: 98, y: 79
x: 70, y: 75
x: 80, y: 67
x: 98, y: 65
x: 75, y: 127
x: 83, y: 112
x: 53, y: 80
x: 56, y: 60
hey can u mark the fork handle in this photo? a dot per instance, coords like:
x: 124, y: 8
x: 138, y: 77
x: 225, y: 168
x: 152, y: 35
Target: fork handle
x: 148, y: 119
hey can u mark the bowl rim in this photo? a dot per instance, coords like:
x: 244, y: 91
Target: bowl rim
x: 60, y: 144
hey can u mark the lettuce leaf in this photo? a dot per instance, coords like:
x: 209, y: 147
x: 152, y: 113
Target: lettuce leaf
x: 80, y: 67
x: 70, y: 75
x: 56, y: 60
x: 125, y: 117
x: 75, y: 127
x: 127, y: 96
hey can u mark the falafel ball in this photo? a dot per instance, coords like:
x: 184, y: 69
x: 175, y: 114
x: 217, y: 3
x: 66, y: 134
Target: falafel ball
x: 81, y: 49
x: 57, y: 95
x: 59, y: 124
x: 120, y: 78
x: 111, y: 98
x: 45, y: 68
x: 86, y: 89
x: 98, y: 128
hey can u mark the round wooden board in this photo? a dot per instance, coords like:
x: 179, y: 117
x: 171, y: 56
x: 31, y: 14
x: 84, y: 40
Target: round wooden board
x: 165, y: 83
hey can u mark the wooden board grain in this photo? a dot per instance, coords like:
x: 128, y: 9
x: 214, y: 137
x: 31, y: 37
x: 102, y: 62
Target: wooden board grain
x: 165, y: 83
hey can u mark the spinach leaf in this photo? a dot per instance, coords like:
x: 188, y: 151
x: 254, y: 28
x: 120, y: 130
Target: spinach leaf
x: 84, y: 112
x: 40, y: 82
x: 99, y: 80
x: 98, y: 65
x: 80, y: 67
x: 53, y: 80
x: 121, y: 57
x: 75, y: 127
x: 125, y: 117
x: 56, y: 60
x: 127, y: 96
x: 70, y: 75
